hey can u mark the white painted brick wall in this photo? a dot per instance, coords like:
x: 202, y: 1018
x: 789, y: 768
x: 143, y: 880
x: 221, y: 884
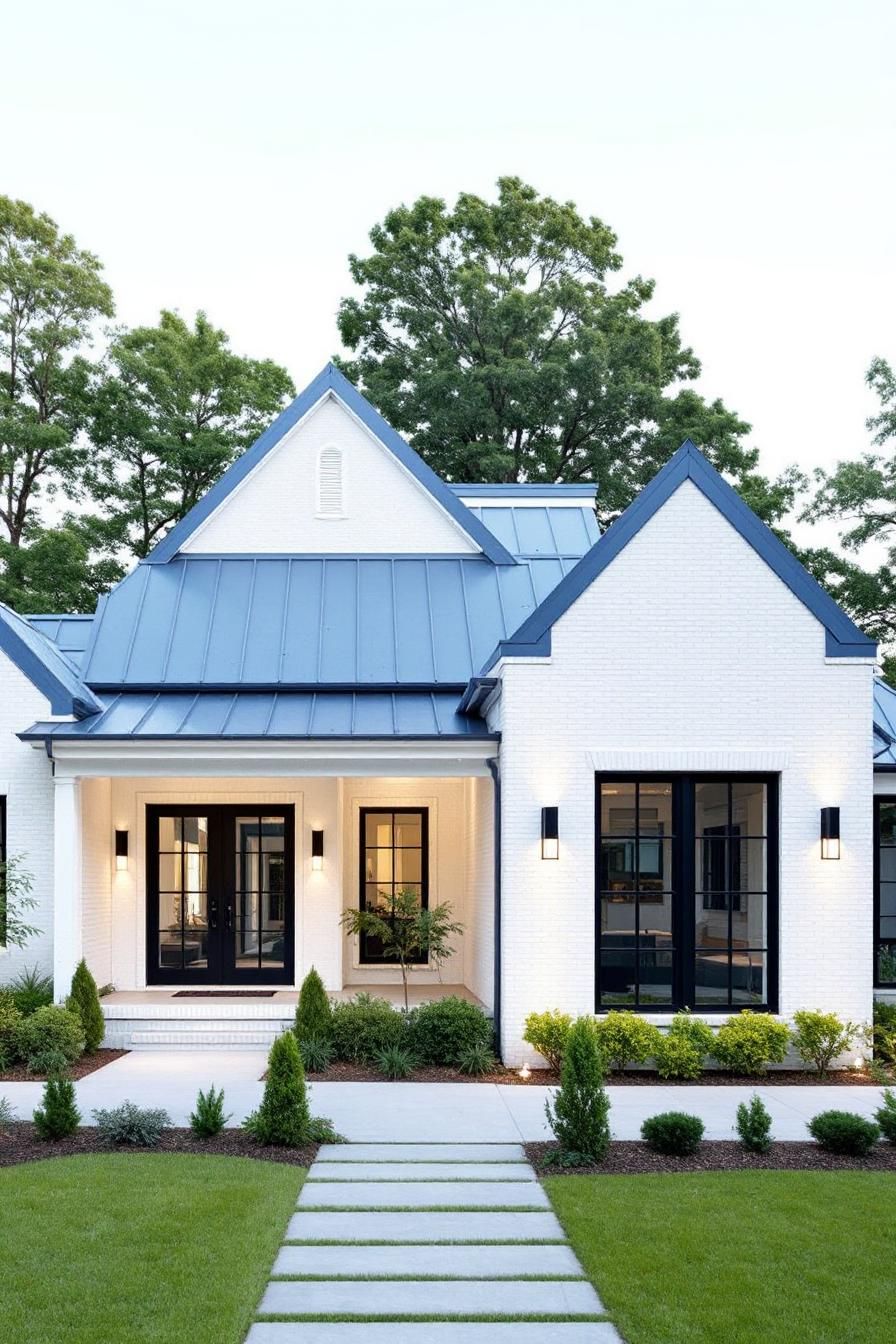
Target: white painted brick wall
x: 26, y: 780
x: 686, y: 653
x: 274, y: 509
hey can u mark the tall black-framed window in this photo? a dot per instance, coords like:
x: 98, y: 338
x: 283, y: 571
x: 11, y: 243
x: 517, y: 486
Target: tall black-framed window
x: 2, y: 870
x: 394, y: 858
x: 686, y: 892
x: 885, y: 892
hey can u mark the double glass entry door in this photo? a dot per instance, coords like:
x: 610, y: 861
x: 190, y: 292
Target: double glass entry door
x: 220, y: 895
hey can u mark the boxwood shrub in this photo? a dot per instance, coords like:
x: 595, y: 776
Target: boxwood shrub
x: 52, y: 1028
x: 749, y: 1042
x: 844, y: 1132
x: 626, y: 1038
x: 363, y: 1028
x: 548, y: 1033
x: 674, y: 1133
x: 440, y: 1032
x: 681, y: 1051
x: 886, y: 1115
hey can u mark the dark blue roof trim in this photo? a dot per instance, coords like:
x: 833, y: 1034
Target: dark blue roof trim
x: 514, y: 489
x: 477, y: 691
x: 45, y: 666
x: 273, y: 715
x: 844, y: 639
x: 332, y: 381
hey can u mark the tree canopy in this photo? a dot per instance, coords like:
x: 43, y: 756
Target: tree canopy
x: 490, y: 334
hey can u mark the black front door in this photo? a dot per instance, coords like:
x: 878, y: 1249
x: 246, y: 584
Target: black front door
x: 220, y: 895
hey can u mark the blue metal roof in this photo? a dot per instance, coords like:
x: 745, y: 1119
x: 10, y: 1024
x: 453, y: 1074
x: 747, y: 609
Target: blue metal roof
x: 843, y: 638
x: 333, y: 383
x: 45, y: 666
x: 538, y: 530
x: 70, y: 634
x: 252, y: 715
x: 884, y: 737
x: 302, y: 622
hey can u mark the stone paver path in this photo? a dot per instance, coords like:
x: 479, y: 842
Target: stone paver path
x: 424, y: 1237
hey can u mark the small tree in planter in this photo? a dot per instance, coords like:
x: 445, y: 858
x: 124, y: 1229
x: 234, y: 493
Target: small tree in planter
x: 407, y: 931
x: 84, y: 1000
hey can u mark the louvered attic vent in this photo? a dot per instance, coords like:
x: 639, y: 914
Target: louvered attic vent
x: 329, y: 483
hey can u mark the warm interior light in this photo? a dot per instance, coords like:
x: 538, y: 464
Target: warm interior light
x: 830, y: 832
x: 317, y: 850
x: 550, y: 833
x: 121, y: 851
x: 525, y: 1072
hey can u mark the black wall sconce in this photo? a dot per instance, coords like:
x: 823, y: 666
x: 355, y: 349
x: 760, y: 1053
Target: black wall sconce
x: 121, y: 851
x: 550, y: 833
x: 830, y: 832
x: 317, y: 850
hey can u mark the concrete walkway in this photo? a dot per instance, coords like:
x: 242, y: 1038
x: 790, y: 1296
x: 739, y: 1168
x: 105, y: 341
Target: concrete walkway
x: 443, y: 1112
x: 435, y: 1204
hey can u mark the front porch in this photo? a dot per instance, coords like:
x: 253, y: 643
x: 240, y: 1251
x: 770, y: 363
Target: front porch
x: 204, y: 899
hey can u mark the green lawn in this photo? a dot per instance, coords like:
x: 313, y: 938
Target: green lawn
x: 738, y: 1257
x: 131, y: 1248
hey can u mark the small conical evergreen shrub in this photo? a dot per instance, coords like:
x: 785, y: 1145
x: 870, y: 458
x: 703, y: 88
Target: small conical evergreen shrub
x: 579, y: 1115
x: 283, y: 1117
x: 84, y: 1000
x: 59, y: 1116
x: 314, y: 1013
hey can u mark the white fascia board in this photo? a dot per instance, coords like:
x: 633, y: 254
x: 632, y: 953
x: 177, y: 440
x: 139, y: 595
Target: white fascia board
x: 263, y: 759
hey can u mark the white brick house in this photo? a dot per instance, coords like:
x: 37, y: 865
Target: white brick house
x: 340, y: 676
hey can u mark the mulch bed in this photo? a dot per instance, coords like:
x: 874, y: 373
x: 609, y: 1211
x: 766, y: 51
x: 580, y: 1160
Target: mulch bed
x: 80, y: 1069
x: 367, y: 1073
x: 627, y: 1158
x: 19, y: 1143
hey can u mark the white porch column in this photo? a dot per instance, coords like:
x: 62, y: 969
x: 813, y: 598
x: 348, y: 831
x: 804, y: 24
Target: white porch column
x: 68, y: 929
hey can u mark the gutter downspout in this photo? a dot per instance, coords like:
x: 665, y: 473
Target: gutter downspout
x: 494, y: 768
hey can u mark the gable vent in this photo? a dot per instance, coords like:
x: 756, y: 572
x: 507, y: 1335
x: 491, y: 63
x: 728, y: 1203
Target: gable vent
x: 329, y: 483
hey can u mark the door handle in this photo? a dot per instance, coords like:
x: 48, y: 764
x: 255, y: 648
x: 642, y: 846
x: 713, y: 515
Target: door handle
x: 228, y: 917
x: 213, y: 914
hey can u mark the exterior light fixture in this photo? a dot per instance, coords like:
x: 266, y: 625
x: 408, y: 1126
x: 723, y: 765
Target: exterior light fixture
x: 525, y: 1073
x: 317, y: 850
x: 550, y: 835
x: 830, y: 832
x: 121, y: 851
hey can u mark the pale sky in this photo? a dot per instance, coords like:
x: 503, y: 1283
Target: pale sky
x: 229, y: 157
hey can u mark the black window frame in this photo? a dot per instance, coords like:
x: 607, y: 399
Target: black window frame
x: 684, y: 884
x: 877, y: 942
x: 365, y: 957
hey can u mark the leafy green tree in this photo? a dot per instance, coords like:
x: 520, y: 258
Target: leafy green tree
x: 407, y: 931
x: 51, y: 293
x: 860, y: 494
x: 491, y: 335
x: 16, y: 888
x: 172, y: 410
x: 55, y: 571
x: 84, y: 999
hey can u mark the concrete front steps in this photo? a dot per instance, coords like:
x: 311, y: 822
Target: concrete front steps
x: 410, y: 1243
x: 196, y: 1024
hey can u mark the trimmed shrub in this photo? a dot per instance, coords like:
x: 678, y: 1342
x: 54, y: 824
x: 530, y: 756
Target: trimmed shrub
x: 209, y: 1119
x: 59, y: 1116
x: 130, y: 1124
x: 10, y: 1018
x: 886, y: 1115
x: 579, y: 1115
x: 820, y: 1037
x: 31, y: 990
x: 749, y: 1042
x: 84, y: 1000
x: 314, y: 1012
x: 844, y: 1132
x: 476, y: 1059
x: 282, y: 1118
x: 6, y: 1113
x: 673, y: 1133
x: 317, y: 1054
x: 48, y: 1063
x: 395, y: 1062
x: 626, y: 1038
x: 320, y: 1130
x: 441, y: 1030
x: 51, y: 1028
x: 681, y: 1051
x: 548, y: 1033
x: 754, y: 1125
x: 364, y: 1026
x: 885, y: 1033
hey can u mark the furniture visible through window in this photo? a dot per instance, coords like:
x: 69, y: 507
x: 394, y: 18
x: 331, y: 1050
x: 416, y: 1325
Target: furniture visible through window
x: 394, y: 858
x: 686, y: 892
x: 885, y: 892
